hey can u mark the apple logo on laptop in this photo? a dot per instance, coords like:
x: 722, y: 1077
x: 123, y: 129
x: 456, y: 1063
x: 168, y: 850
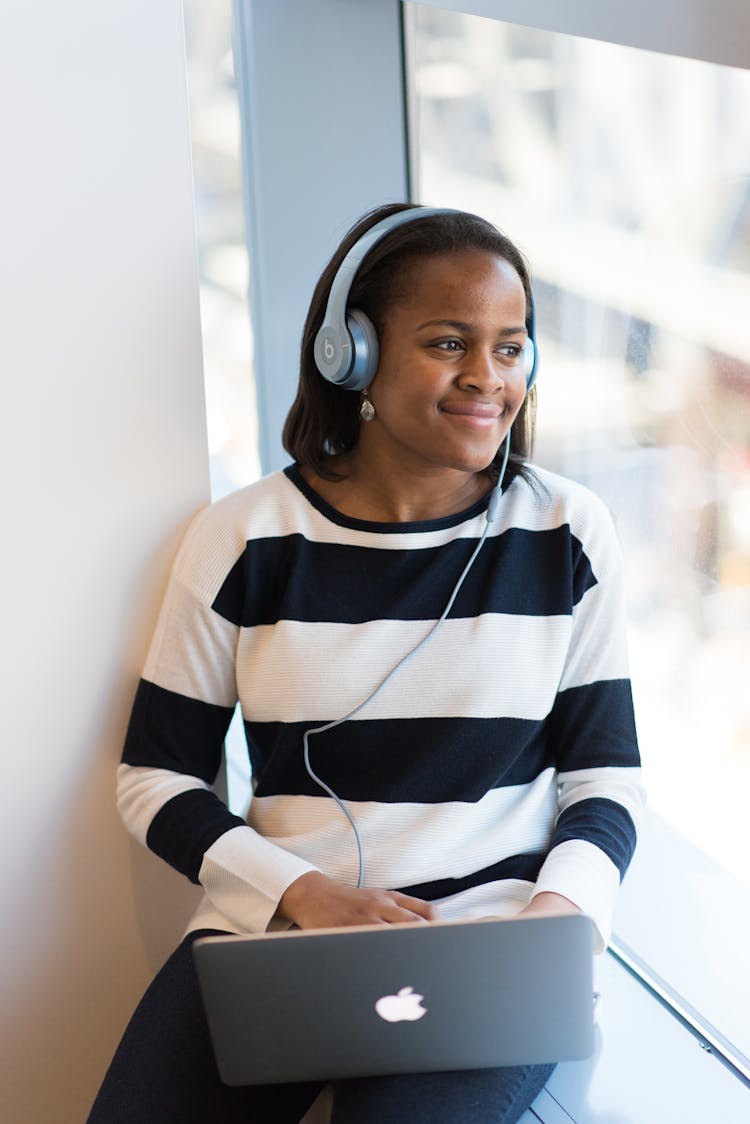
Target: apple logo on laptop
x: 404, y: 1007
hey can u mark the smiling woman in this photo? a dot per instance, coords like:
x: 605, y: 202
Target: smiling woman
x: 450, y: 309
x: 445, y: 622
x: 448, y: 387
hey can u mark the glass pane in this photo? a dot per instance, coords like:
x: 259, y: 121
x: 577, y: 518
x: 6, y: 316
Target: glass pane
x: 222, y: 250
x: 223, y: 274
x: 624, y: 175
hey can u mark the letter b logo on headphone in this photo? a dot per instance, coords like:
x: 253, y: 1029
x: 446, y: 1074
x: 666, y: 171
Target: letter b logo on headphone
x: 346, y: 347
x: 332, y: 354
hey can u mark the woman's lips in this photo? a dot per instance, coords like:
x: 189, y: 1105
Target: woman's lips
x: 479, y: 414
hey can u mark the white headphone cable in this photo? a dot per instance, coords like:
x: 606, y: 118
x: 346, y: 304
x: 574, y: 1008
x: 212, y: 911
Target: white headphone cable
x: 492, y: 508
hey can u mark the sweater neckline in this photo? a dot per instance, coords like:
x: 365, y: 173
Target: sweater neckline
x: 292, y: 472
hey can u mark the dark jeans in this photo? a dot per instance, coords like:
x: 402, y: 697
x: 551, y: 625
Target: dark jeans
x: 164, y: 1070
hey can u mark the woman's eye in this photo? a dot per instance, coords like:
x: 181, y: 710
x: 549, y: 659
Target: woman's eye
x: 510, y: 351
x: 448, y: 345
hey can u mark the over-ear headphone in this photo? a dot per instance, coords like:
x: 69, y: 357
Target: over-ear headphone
x: 346, y: 346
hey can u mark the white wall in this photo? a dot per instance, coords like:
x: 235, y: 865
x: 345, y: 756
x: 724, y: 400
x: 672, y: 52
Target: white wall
x: 102, y: 440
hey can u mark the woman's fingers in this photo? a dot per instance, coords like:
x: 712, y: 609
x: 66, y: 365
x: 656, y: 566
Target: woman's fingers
x: 421, y: 910
x: 314, y: 901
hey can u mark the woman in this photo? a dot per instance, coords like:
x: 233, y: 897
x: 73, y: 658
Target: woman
x: 450, y: 616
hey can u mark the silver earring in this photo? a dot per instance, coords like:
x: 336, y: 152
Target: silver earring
x: 366, y: 410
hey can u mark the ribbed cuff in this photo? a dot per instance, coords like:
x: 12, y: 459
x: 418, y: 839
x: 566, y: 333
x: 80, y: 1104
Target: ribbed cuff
x: 586, y: 876
x: 245, y: 876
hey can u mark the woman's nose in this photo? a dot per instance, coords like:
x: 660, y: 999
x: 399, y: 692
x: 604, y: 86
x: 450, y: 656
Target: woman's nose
x: 480, y: 370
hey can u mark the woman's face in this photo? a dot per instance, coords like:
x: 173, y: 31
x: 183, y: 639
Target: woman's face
x: 450, y: 379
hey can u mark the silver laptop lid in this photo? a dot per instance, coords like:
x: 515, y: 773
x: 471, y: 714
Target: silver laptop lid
x: 322, y: 1004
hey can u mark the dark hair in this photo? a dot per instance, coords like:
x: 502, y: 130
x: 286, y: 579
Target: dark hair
x: 324, y: 419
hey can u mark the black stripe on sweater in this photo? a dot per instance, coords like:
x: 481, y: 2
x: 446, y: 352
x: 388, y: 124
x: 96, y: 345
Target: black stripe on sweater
x: 525, y: 867
x: 535, y: 573
x: 424, y: 760
x: 605, y: 823
x: 594, y: 726
x: 170, y: 731
x: 185, y: 827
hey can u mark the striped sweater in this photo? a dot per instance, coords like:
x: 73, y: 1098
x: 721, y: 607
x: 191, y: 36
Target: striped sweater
x: 499, y: 762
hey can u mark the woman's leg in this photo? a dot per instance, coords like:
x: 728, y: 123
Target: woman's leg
x: 477, y: 1096
x: 164, y: 1067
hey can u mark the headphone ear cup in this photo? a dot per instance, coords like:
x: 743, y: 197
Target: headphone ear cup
x: 365, y: 351
x: 529, y: 363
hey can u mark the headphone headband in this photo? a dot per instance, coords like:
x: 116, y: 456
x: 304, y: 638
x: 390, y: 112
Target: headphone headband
x: 346, y: 346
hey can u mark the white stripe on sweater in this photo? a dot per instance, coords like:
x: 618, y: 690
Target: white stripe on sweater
x: 480, y: 667
x: 142, y: 792
x: 409, y: 843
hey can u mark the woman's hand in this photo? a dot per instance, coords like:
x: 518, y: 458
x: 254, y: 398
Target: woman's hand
x: 316, y: 902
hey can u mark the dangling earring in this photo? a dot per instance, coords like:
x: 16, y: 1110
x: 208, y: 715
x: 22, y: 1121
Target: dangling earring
x: 366, y: 410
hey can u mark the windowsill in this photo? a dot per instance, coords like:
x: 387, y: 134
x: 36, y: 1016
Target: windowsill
x: 688, y: 921
x: 647, y: 1068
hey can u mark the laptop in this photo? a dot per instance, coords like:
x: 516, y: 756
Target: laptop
x: 321, y: 1004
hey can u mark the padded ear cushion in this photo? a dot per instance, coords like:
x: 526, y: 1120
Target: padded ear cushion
x: 365, y: 352
x: 529, y: 363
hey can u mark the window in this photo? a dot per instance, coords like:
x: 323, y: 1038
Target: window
x: 231, y: 414
x: 222, y: 249
x: 624, y: 175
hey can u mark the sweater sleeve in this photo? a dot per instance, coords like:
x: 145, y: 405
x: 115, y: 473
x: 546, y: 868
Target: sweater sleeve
x: 174, y: 744
x: 592, y: 725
